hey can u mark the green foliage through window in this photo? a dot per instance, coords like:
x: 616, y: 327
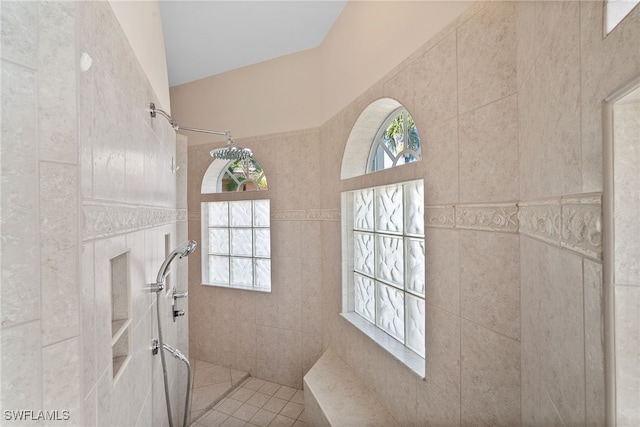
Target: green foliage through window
x: 244, y: 175
x: 397, y: 142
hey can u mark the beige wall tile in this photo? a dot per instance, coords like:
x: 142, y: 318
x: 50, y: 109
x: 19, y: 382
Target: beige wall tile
x: 285, y: 239
x: 435, y: 84
x: 489, y: 152
x: 593, y: 343
x: 487, y: 56
x: 490, y: 377
x: 21, y: 367
x: 61, y: 384
x: 20, y: 33
x: 435, y: 407
x: 400, y: 393
x: 627, y: 349
x: 20, y: 245
x: 59, y: 251
x: 443, y: 350
x: 88, y: 320
x: 443, y: 269
x: 312, y: 348
x: 533, y: 270
x: 526, y: 46
x: 561, y: 334
x: 489, y: 281
x: 399, y: 86
x: 440, y: 162
x: 57, y: 94
x: 549, y: 117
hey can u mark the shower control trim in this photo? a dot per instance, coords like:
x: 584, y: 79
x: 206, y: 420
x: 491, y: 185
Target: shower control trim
x: 174, y: 297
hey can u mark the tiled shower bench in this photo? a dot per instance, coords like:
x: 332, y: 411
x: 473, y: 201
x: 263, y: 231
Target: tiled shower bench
x: 335, y: 396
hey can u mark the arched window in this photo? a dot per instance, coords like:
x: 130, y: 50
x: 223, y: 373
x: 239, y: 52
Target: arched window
x: 236, y: 175
x: 383, y: 235
x: 396, y: 142
x: 385, y: 135
x: 236, y: 234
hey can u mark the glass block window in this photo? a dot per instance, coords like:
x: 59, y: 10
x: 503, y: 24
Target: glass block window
x: 388, y: 276
x: 237, y: 239
x: 397, y: 142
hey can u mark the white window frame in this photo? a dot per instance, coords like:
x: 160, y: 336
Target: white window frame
x: 376, y: 159
x: 257, y: 257
x: 407, y: 356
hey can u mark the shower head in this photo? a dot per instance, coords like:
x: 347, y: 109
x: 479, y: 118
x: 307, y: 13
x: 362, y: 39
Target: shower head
x: 181, y: 251
x: 155, y: 111
x: 231, y: 152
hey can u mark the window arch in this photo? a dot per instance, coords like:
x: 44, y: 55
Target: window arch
x: 385, y: 117
x: 383, y: 239
x: 396, y: 142
x: 235, y: 234
x: 235, y: 175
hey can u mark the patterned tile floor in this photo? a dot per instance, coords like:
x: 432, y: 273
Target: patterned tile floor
x: 245, y: 401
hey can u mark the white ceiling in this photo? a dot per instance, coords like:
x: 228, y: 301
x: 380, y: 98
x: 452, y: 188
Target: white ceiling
x: 204, y: 38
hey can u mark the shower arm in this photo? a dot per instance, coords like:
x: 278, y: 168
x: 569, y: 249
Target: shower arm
x: 153, y: 111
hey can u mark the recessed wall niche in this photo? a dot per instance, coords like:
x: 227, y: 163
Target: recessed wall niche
x: 120, y: 312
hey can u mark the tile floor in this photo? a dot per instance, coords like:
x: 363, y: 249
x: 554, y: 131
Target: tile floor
x: 224, y: 397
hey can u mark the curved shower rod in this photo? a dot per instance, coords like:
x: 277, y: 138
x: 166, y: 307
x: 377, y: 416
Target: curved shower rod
x: 153, y: 111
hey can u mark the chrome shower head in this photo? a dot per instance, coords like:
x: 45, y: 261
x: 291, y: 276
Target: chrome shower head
x: 231, y: 152
x: 187, y: 248
x: 181, y: 251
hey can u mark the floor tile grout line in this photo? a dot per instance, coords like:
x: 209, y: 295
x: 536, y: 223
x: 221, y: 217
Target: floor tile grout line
x: 221, y: 397
x: 241, y: 383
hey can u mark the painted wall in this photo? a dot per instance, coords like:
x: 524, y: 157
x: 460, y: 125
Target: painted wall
x: 86, y: 177
x: 269, y: 97
x: 369, y: 39
x: 142, y: 24
x: 305, y: 89
x: 507, y: 100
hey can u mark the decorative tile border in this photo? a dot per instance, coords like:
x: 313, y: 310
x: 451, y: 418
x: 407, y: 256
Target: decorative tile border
x: 582, y: 225
x: 541, y: 219
x: 289, y: 215
x: 499, y: 217
x: 306, y: 215
x: 574, y: 222
x: 439, y: 216
x: 106, y: 219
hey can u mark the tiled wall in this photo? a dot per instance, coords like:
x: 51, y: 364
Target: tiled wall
x: 508, y: 104
x: 41, y: 341
x: 131, y: 200
x: 274, y: 336
x: 507, y: 100
x: 86, y: 176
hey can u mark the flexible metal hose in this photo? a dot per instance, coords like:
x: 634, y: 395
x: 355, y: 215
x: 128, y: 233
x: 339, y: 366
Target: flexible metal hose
x: 178, y: 355
x: 164, y: 363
